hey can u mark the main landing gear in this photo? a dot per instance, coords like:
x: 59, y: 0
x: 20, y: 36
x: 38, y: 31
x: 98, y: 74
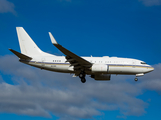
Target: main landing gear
x: 82, y: 77
x: 136, y: 79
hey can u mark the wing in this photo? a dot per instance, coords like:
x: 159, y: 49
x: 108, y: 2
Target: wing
x: 76, y: 61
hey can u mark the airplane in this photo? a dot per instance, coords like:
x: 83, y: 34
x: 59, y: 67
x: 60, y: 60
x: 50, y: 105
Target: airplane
x: 99, y: 68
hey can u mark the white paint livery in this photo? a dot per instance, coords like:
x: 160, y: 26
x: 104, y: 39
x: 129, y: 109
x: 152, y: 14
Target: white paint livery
x: 100, y: 68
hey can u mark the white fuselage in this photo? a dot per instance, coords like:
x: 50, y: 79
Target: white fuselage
x: 100, y: 68
x: 115, y: 65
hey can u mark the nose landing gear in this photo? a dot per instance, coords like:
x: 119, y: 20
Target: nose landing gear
x: 136, y: 79
x: 83, y: 80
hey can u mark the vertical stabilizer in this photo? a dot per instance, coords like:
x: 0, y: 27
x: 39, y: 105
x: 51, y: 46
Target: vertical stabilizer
x: 27, y: 45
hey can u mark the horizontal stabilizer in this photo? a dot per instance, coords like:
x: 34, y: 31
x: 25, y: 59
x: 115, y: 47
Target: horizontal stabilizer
x: 20, y: 55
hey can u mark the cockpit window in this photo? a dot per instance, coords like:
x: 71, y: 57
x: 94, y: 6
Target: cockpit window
x: 143, y: 62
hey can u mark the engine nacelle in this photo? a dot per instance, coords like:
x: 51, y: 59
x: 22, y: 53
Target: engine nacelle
x: 101, y: 77
x: 99, y: 68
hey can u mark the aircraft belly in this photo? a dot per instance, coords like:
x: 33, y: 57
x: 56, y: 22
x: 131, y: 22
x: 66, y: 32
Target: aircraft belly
x: 52, y: 67
x: 56, y: 67
x: 65, y: 68
x: 126, y: 69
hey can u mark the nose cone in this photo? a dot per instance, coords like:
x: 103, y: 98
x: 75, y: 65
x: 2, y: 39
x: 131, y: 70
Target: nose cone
x: 150, y: 69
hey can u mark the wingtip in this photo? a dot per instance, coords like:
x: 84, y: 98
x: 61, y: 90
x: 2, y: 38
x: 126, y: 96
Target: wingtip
x: 52, y: 39
x: 10, y: 49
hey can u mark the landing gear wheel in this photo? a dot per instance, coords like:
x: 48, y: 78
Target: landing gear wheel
x: 81, y: 75
x: 83, y: 80
x: 136, y: 79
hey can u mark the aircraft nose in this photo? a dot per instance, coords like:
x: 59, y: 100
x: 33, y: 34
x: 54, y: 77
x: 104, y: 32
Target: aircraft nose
x: 150, y: 69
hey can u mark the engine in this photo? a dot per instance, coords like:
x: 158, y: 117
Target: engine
x: 99, y: 68
x: 101, y: 77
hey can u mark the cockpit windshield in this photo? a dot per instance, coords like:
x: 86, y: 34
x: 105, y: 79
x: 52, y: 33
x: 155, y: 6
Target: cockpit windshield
x: 143, y: 63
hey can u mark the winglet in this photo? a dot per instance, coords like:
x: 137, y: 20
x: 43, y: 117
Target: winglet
x: 52, y: 39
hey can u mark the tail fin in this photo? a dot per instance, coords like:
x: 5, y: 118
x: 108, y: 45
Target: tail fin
x: 27, y: 45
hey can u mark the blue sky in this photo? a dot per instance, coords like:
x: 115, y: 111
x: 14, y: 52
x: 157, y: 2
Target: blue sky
x: 119, y: 28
